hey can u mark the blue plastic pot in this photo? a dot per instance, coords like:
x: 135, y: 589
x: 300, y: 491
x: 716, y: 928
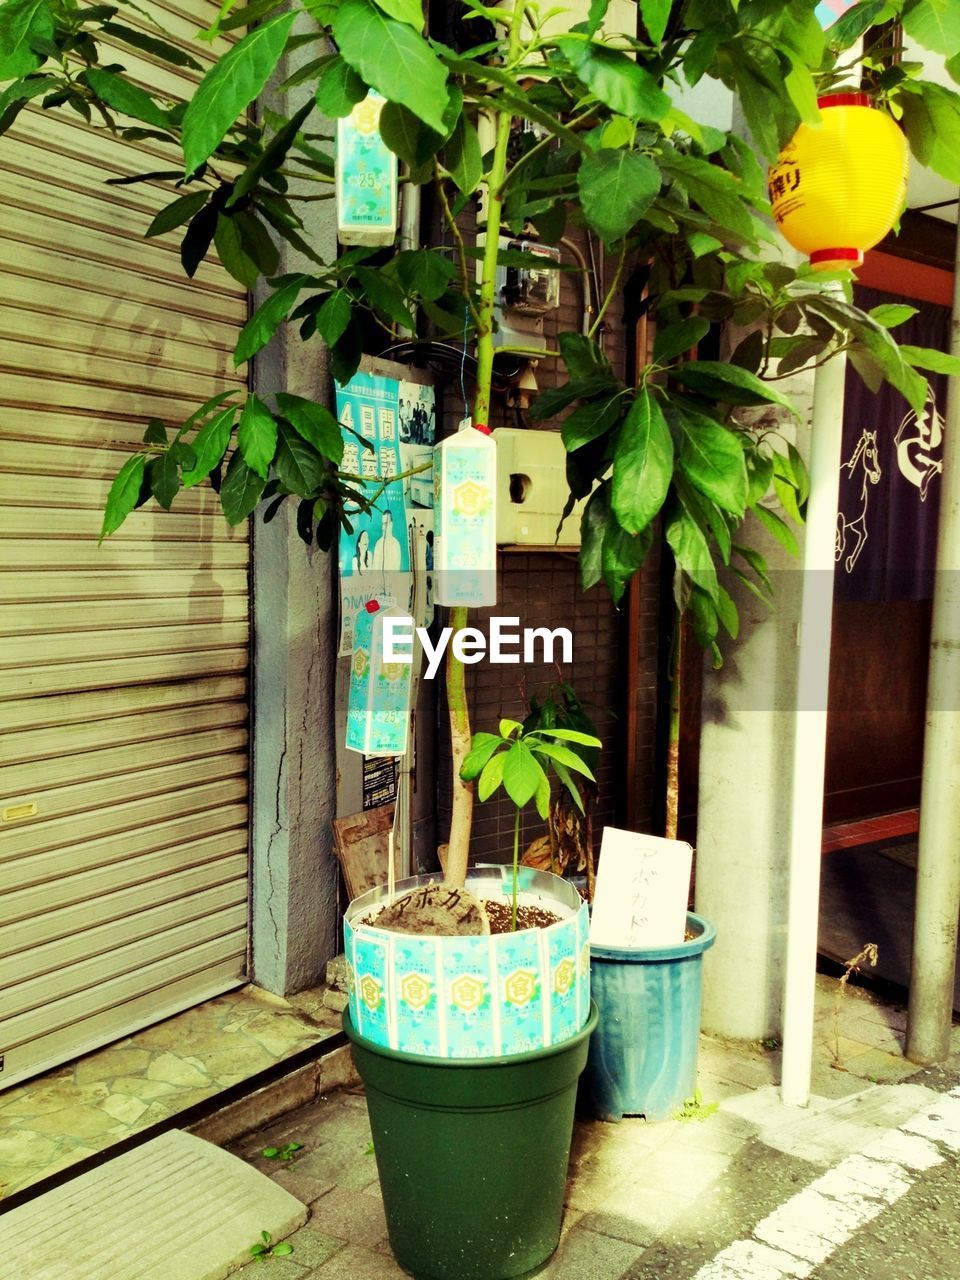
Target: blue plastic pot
x: 643, y: 1055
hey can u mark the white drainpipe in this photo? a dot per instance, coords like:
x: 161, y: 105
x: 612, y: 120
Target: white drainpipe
x: 810, y: 731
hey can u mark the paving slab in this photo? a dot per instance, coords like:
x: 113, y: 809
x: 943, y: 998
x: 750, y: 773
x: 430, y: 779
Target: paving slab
x: 176, y: 1208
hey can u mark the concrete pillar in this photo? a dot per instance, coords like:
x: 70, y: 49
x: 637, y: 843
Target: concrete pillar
x: 933, y: 970
x: 746, y: 757
x: 295, y: 877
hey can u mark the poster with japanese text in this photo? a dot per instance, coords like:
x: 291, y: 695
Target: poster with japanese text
x: 398, y: 421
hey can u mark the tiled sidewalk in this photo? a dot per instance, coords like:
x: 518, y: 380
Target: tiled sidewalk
x: 77, y: 1111
x: 629, y: 1183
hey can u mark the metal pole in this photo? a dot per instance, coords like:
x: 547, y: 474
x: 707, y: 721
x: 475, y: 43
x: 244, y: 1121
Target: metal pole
x: 938, y: 871
x: 810, y: 732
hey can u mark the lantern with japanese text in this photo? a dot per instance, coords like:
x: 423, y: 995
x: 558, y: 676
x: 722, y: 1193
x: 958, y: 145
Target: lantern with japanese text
x: 838, y: 187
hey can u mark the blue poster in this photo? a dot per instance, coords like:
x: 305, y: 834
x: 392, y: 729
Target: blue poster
x: 398, y: 421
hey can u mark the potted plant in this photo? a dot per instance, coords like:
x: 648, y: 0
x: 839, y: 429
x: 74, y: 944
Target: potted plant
x: 470, y: 1046
x: 643, y: 1058
x: 677, y: 205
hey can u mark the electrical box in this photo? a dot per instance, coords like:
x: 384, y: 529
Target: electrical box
x: 525, y: 294
x: 532, y: 490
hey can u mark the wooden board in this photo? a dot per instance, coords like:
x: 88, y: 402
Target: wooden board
x: 361, y: 844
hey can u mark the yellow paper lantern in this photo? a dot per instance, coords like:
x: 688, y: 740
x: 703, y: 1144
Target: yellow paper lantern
x: 838, y: 187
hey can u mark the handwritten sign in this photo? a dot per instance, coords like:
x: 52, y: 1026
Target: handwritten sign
x: 641, y: 894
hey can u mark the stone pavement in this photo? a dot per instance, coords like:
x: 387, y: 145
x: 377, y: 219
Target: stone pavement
x: 684, y: 1198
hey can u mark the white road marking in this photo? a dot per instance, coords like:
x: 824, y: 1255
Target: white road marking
x: 803, y: 1232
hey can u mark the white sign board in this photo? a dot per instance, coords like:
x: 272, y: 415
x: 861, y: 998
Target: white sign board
x: 641, y: 894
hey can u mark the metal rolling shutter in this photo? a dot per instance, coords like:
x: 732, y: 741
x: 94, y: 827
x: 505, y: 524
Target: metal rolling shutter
x: 123, y: 669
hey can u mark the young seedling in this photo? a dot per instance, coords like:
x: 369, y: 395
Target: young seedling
x: 695, y: 1108
x: 265, y: 1248
x: 520, y: 760
x: 286, y: 1152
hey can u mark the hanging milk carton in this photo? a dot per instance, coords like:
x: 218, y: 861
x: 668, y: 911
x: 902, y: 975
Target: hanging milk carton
x: 366, y: 172
x: 378, y: 705
x: 465, y: 516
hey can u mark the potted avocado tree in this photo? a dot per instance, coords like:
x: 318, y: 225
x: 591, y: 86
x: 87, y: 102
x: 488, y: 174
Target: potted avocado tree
x: 548, y: 122
x: 472, y: 1125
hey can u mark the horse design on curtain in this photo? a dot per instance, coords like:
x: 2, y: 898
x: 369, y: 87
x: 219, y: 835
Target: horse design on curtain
x: 852, y: 530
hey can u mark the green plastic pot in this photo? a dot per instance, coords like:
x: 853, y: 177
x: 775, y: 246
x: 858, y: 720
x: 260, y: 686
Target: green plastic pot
x: 472, y: 1154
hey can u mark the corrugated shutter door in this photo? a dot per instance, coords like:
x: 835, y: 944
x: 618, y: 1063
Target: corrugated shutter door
x: 123, y: 669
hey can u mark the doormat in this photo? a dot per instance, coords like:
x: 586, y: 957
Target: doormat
x: 176, y: 1208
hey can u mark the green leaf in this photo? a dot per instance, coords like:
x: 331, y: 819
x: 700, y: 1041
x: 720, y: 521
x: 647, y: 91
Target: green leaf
x: 655, y: 14
x: 150, y: 44
x: 596, y: 14
x: 714, y: 189
x: 232, y: 252
x: 679, y: 338
x: 198, y: 238
x: 934, y: 24
x: 642, y: 464
x: 267, y: 318
x: 155, y: 433
x: 123, y: 494
x: 554, y: 399
x: 582, y: 357
x: 298, y: 466
x: 164, y: 479
x: 891, y: 314
x: 339, y: 89
x: 176, y: 214
x: 257, y: 435
x: 463, y: 157
x: 563, y: 755
x: 572, y: 735
x: 407, y: 136
x: 689, y: 546
x: 334, y: 316
x: 930, y: 358
x: 759, y: 475
x: 241, y: 490
x: 424, y: 271
x: 491, y: 777
x: 727, y: 612
x: 711, y: 457
x: 522, y: 774
x: 393, y: 59
x: 593, y: 526
x: 313, y: 423
x: 728, y: 384
x: 616, y: 188
x: 282, y: 1250
x: 409, y: 11
x: 622, y: 555
x: 589, y: 421
x: 779, y: 528
x: 482, y: 748
x: 508, y: 728
x: 127, y: 98
x: 210, y: 444
x: 272, y: 156
x: 855, y: 22
x: 229, y: 87
x: 21, y: 23
x: 385, y: 296
x: 616, y: 79
x: 931, y: 118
